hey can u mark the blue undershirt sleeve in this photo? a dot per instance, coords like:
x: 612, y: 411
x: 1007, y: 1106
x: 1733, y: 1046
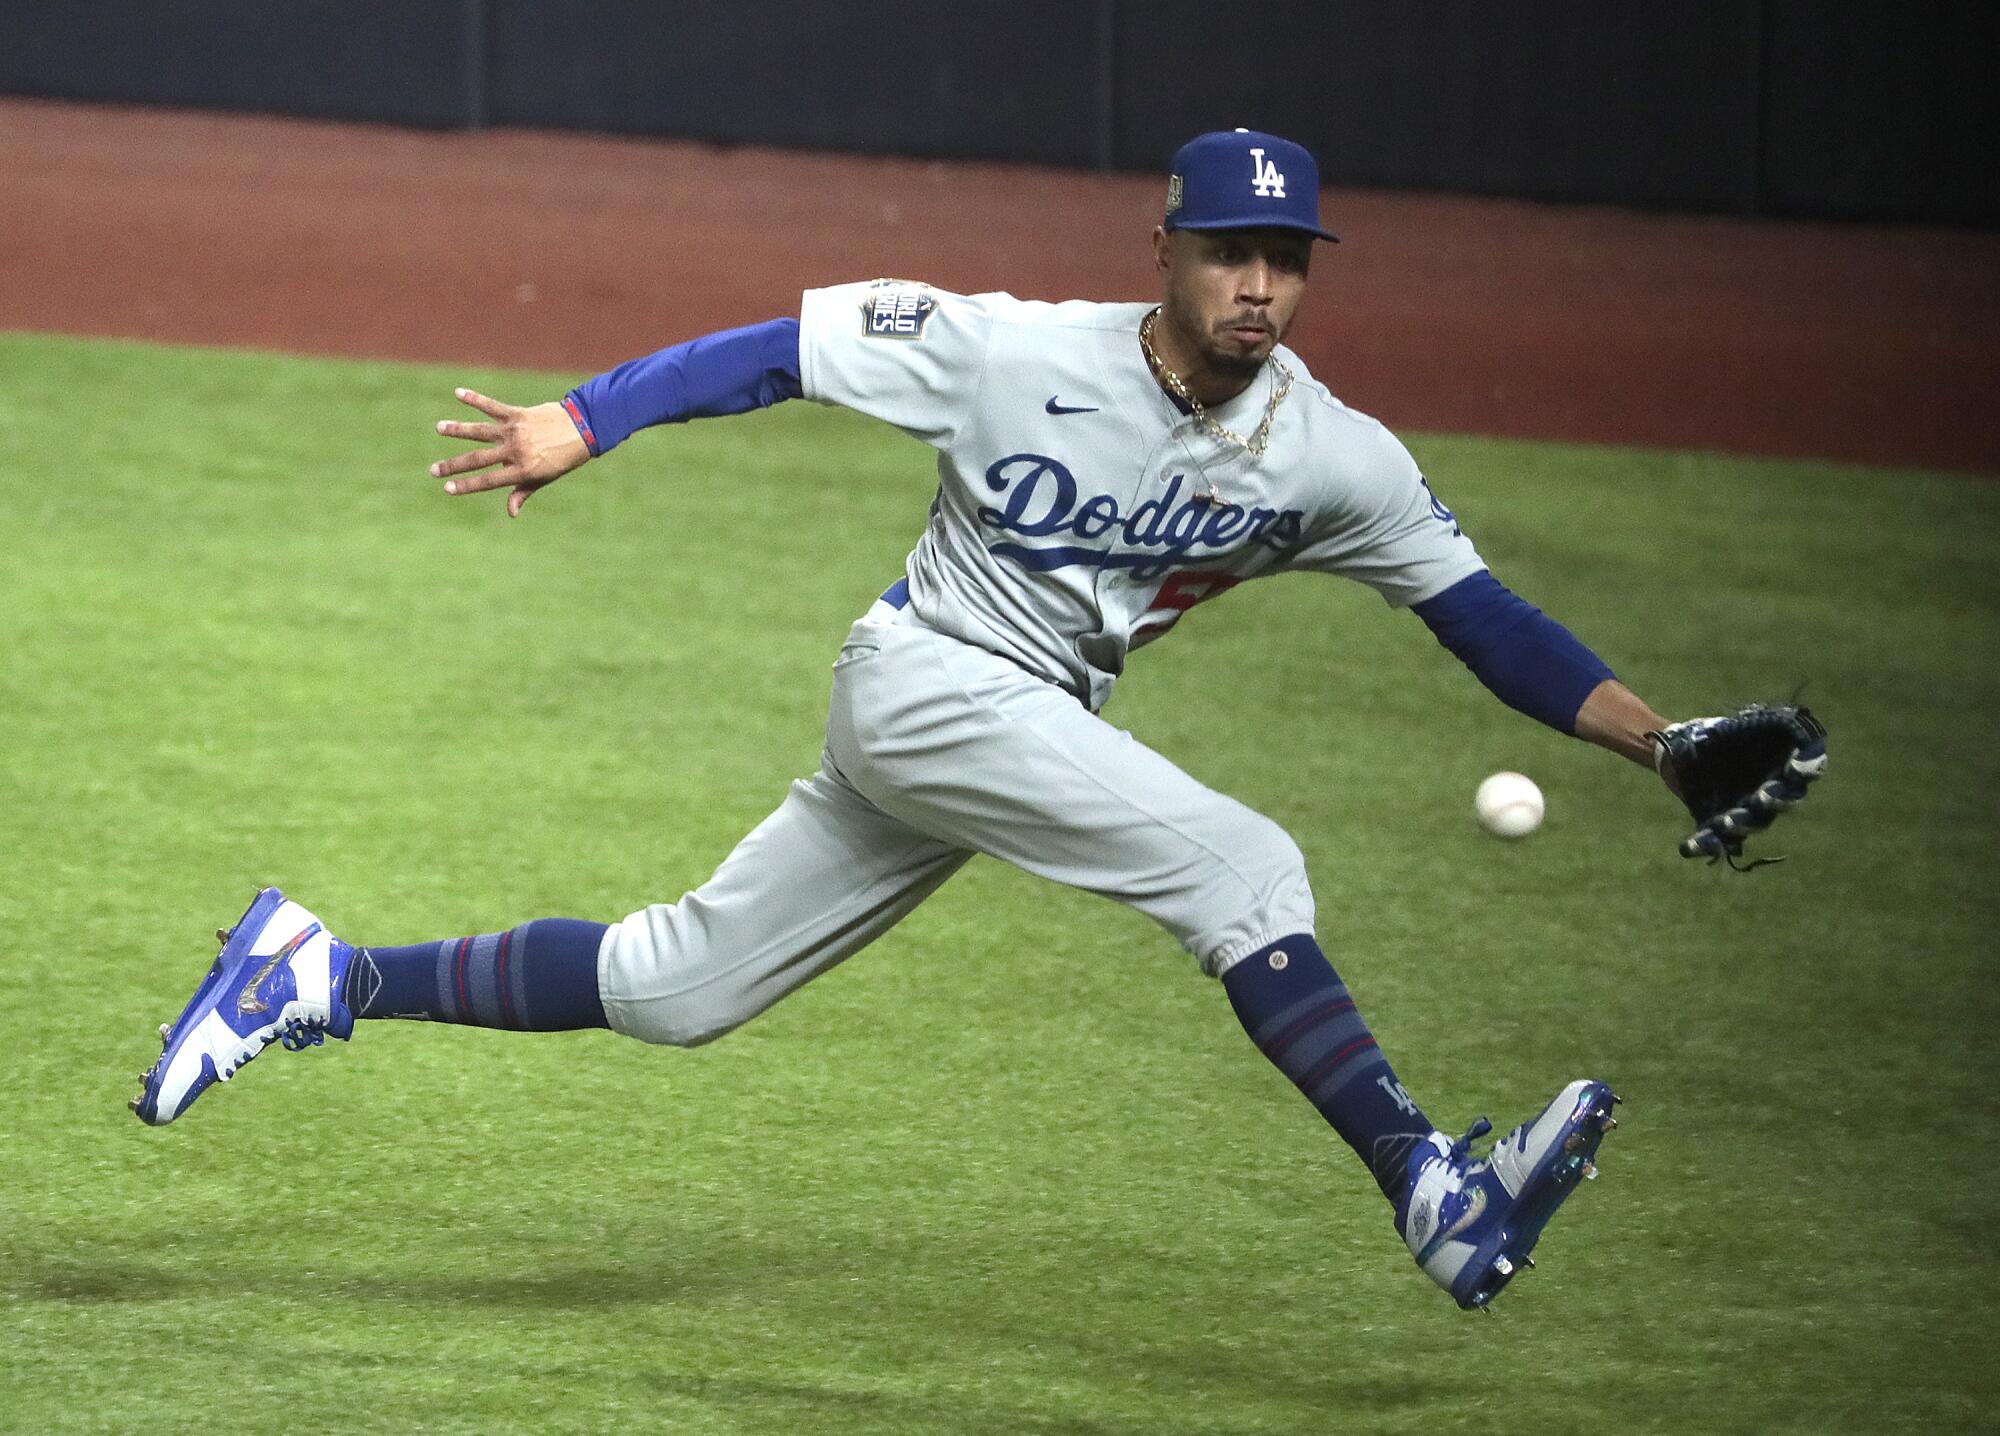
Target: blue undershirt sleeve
x: 732, y: 372
x: 1528, y: 660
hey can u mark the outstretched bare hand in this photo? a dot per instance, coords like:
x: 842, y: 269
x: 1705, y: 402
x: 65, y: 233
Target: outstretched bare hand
x: 524, y: 449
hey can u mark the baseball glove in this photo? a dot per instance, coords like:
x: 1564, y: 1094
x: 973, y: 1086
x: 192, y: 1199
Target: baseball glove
x: 1737, y: 773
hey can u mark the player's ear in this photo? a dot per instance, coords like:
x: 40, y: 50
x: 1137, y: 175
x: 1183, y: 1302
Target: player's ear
x: 1161, y: 249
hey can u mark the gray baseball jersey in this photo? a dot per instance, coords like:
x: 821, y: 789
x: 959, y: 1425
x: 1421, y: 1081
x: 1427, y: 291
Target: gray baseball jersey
x: 1079, y: 513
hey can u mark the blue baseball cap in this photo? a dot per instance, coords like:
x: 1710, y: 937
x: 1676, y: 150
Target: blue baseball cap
x: 1244, y: 179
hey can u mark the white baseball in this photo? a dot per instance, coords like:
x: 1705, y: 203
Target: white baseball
x: 1509, y: 805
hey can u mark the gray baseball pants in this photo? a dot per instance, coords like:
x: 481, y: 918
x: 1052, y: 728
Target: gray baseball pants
x: 936, y: 750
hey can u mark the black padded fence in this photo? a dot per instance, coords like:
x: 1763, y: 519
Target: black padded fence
x: 1811, y: 108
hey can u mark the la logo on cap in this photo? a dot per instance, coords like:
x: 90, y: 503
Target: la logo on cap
x: 1265, y: 177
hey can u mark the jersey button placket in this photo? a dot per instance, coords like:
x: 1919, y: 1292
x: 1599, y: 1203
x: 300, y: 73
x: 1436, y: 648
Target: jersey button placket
x: 1151, y: 483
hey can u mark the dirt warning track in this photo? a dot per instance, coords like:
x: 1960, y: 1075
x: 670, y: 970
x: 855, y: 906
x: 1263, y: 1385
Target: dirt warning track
x: 1874, y: 344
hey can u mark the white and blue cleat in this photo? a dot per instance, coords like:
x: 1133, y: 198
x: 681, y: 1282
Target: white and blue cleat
x: 276, y: 979
x: 1472, y: 1223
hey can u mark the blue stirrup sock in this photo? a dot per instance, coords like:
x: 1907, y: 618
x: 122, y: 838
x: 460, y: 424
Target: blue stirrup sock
x: 1299, y: 1013
x: 538, y: 977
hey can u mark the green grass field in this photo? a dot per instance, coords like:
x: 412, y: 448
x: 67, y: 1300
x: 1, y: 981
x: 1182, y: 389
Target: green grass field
x: 1015, y: 1169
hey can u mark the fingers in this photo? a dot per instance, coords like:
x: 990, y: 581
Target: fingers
x: 501, y: 459
x: 490, y: 407
x: 470, y: 459
x: 499, y: 478
x: 477, y: 433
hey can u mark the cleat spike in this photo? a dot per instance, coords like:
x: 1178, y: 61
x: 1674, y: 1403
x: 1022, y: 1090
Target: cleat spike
x: 133, y: 1103
x: 1616, y: 1100
x: 166, y: 1031
x: 1590, y: 1171
x: 1502, y: 1267
x: 1528, y: 1262
x: 222, y: 934
x: 1610, y: 1124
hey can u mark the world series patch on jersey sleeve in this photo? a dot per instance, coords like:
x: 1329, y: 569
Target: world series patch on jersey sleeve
x: 896, y: 309
x: 896, y: 350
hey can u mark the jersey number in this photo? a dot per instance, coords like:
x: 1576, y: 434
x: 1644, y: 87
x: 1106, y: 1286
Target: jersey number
x: 1177, y: 595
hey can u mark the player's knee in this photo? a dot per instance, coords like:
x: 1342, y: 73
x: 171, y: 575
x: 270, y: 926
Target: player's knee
x: 1262, y: 893
x: 674, y: 1025
x: 678, y: 1019
x: 1272, y: 863
x: 655, y: 988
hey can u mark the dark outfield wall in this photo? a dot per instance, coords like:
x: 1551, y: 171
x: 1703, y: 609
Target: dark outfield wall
x: 1826, y: 108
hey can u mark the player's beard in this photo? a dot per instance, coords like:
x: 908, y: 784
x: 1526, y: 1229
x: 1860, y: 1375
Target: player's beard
x: 1217, y: 356
x: 1234, y: 362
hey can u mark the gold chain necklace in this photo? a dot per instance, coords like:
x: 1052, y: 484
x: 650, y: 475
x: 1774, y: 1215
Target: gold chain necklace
x: 1257, y: 442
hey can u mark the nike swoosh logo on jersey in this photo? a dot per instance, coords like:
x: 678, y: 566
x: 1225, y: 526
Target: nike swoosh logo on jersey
x: 1054, y: 408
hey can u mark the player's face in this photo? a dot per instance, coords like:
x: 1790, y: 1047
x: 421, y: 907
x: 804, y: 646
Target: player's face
x: 1232, y: 293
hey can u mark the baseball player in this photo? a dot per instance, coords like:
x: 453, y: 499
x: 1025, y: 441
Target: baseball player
x: 1102, y: 468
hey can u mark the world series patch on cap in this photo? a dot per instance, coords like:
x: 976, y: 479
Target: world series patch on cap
x: 1244, y: 179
